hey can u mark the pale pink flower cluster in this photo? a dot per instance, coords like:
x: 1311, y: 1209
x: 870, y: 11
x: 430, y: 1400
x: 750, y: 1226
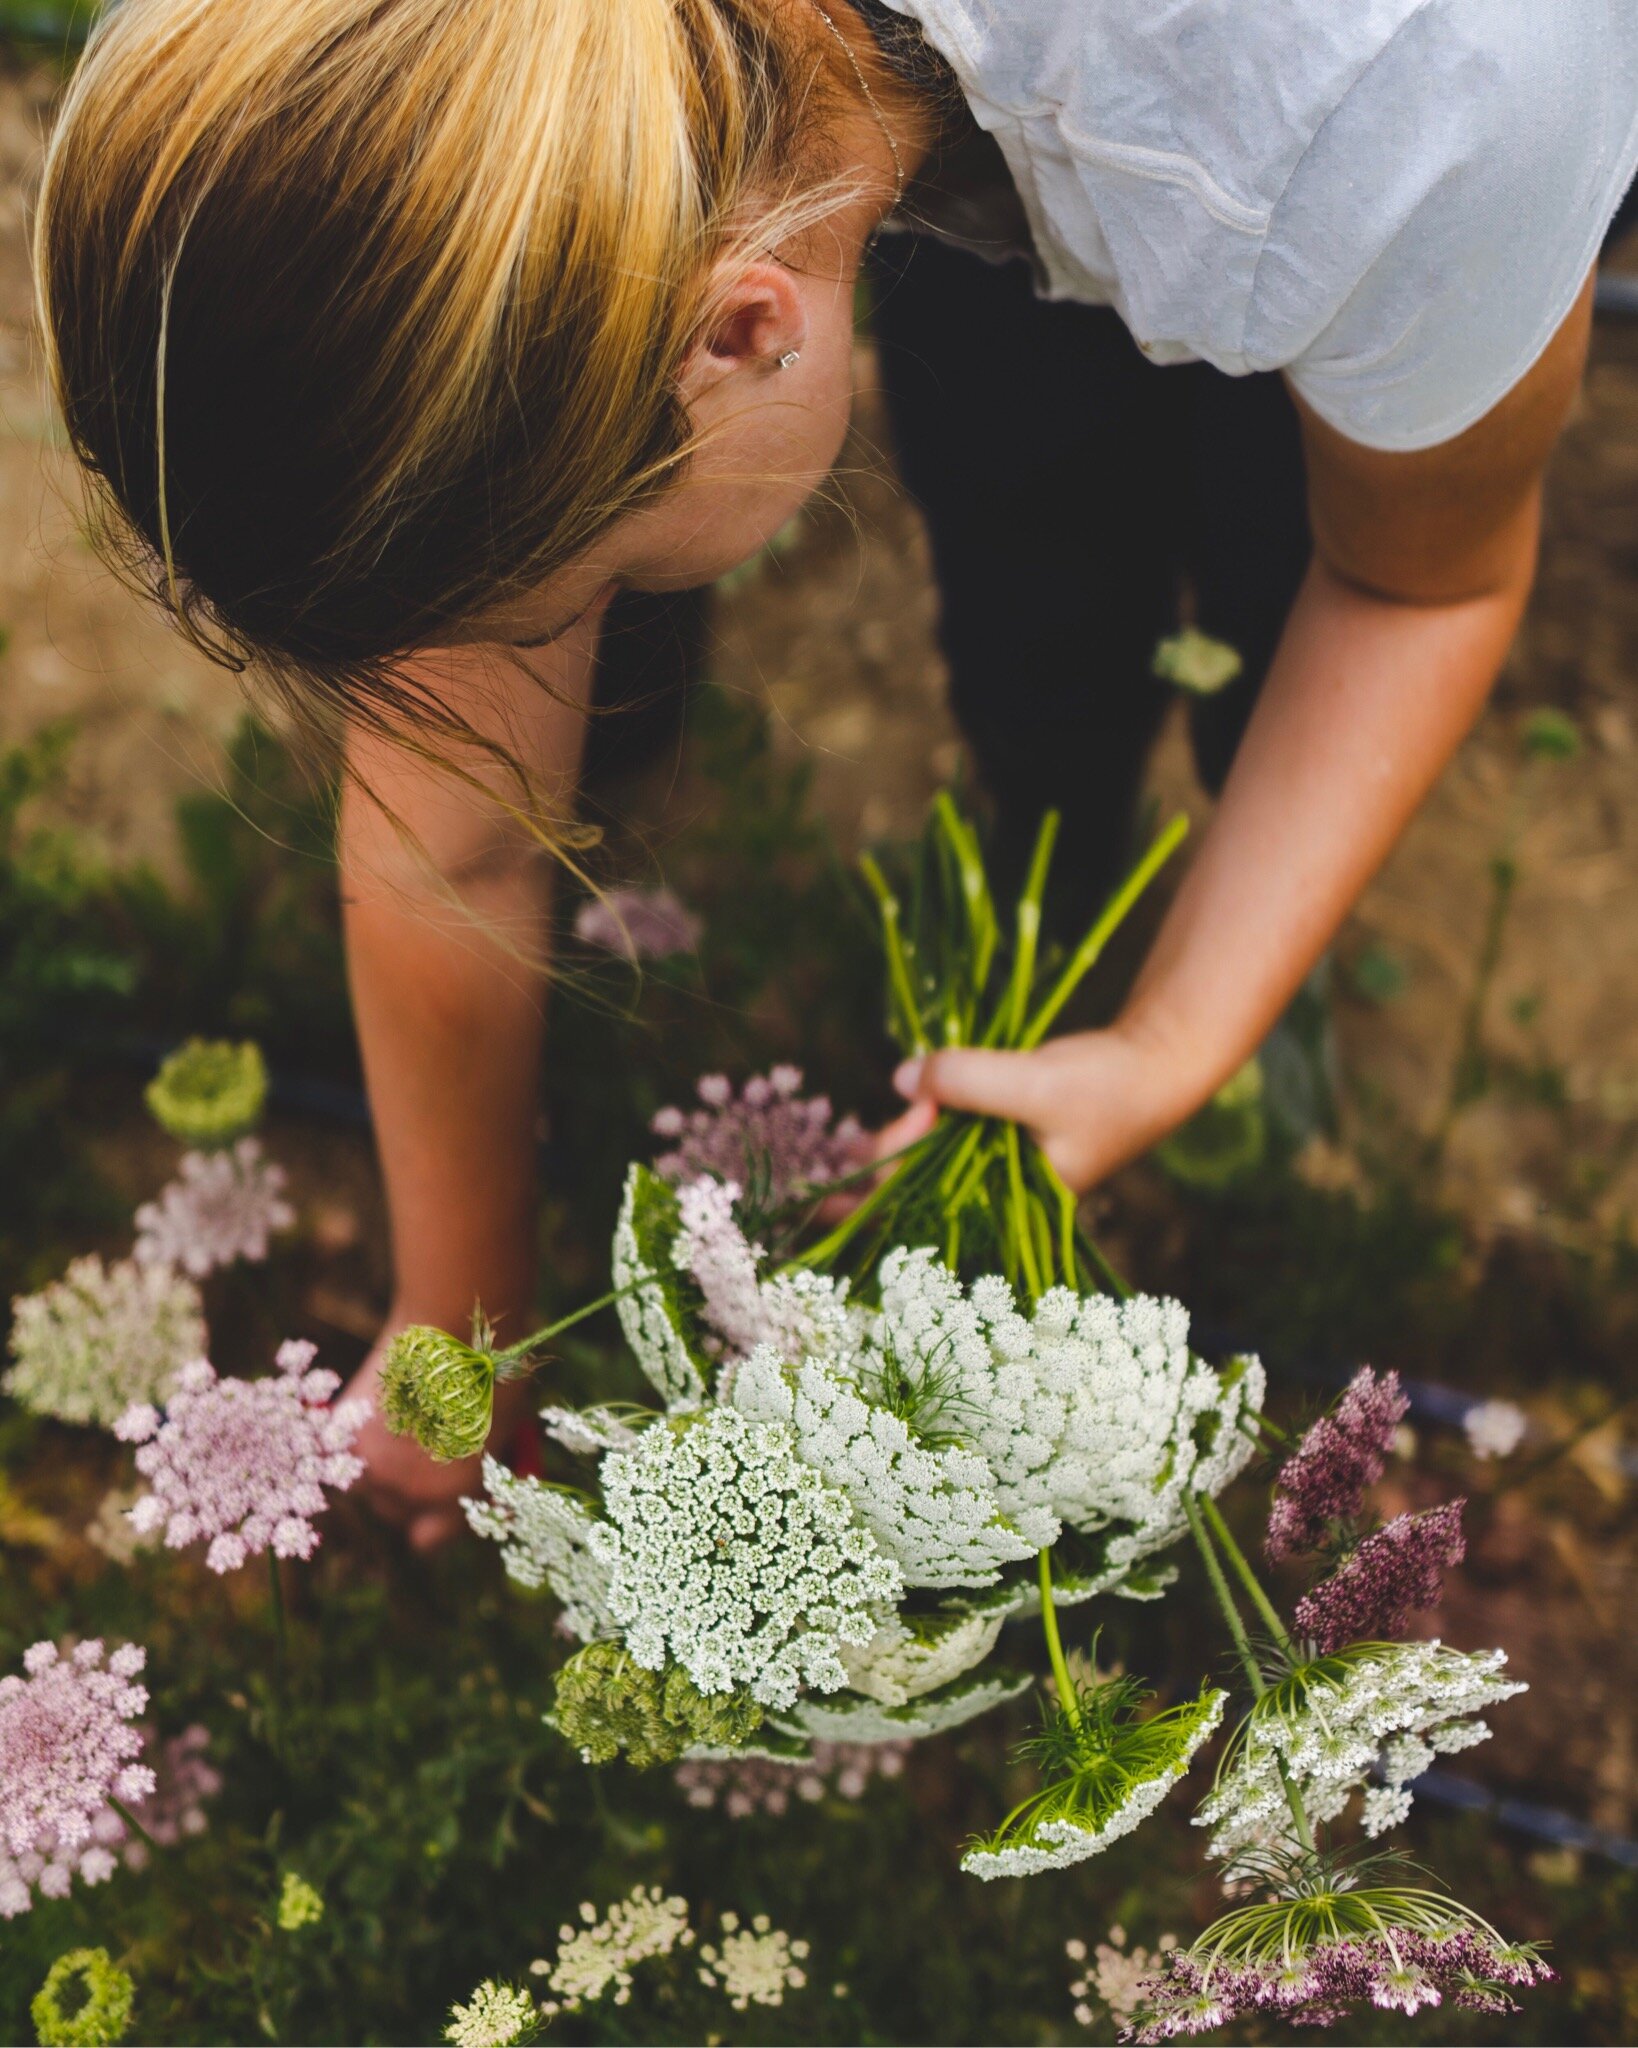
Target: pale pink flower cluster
x: 770, y: 1138
x: 641, y: 924
x: 67, y: 1748
x: 742, y: 1786
x: 184, y: 1778
x: 724, y: 1263
x: 244, y: 1463
x: 222, y: 1206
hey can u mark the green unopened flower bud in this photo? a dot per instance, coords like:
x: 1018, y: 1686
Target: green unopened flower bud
x: 1195, y: 662
x: 85, y: 2001
x: 299, y: 1904
x: 608, y: 1706
x: 439, y: 1391
x: 209, y: 1092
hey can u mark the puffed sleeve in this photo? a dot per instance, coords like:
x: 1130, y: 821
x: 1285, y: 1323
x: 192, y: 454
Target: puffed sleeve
x: 1438, y: 227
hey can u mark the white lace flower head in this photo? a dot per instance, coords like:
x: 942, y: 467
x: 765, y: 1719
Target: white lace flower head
x: 933, y: 1511
x: 754, y: 1965
x: 244, y: 1463
x: 653, y: 1311
x: 1384, y: 1708
x: 545, y: 1536
x: 908, y: 1657
x: 222, y: 1206
x: 102, y: 1337
x: 850, y: 1717
x: 1091, y: 1413
x: 603, y: 1951
x: 68, y: 1748
x: 731, y: 1555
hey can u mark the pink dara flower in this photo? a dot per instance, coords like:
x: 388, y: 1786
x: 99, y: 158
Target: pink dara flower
x: 244, y: 1463
x: 67, y: 1748
x: 770, y: 1138
x: 1323, y: 1482
x: 222, y: 1206
x: 641, y: 924
x: 1395, y: 1570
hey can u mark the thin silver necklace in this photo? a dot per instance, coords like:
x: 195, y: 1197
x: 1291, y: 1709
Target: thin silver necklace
x: 870, y: 101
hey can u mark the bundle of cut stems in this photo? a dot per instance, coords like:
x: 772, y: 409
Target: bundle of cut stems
x: 979, y: 1188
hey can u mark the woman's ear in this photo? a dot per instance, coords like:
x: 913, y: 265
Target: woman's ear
x: 757, y: 316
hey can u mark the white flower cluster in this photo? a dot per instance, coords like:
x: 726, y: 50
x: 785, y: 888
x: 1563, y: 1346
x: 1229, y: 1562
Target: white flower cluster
x: 907, y: 1659
x: 604, y: 1951
x: 1495, y: 1429
x: 853, y: 1718
x: 755, y: 1965
x: 547, y: 1539
x: 1117, y: 1975
x: 1389, y: 1710
x: 650, y: 1313
x: 1091, y: 1413
x: 731, y: 1555
x: 102, y: 1337
x: 932, y: 1511
x: 495, y: 2016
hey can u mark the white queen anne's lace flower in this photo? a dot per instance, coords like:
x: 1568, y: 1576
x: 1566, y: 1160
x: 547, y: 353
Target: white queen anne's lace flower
x: 909, y: 1657
x: 1495, y: 1429
x: 244, y: 1463
x: 1092, y: 1412
x: 849, y: 1717
x: 755, y: 1965
x: 67, y: 1749
x: 102, y: 1337
x: 652, y: 1310
x: 603, y: 1951
x: 545, y: 1536
x: 1389, y: 1707
x: 732, y: 1556
x: 221, y: 1206
x: 933, y: 1512
x: 494, y: 2016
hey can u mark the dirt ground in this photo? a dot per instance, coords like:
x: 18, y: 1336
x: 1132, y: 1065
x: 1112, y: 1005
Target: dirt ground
x: 839, y: 636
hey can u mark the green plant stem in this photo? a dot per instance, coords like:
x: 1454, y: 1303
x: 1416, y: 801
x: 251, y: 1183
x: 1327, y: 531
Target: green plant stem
x: 1009, y: 1020
x: 281, y: 1688
x: 1022, y: 1228
x: 131, y: 1821
x: 1114, y: 913
x: 1243, y: 1572
x: 1054, y: 1642
x: 898, y: 966
x: 1248, y: 1660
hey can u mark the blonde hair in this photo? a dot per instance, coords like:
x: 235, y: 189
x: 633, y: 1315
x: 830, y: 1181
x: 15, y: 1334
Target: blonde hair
x: 367, y: 315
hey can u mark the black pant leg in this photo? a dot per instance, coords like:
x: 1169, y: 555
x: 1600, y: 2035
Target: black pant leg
x: 1248, y: 542
x: 1035, y: 438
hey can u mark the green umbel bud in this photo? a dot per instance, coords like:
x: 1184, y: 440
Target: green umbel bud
x: 85, y: 2001
x: 209, y: 1092
x: 608, y: 1706
x: 1195, y: 662
x: 299, y: 1904
x: 439, y: 1391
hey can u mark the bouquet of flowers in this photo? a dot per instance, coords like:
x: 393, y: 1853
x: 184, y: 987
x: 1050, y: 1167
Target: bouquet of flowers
x: 874, y: 1444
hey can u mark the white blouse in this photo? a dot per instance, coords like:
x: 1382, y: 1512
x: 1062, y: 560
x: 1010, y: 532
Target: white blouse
x: 1393, y: 201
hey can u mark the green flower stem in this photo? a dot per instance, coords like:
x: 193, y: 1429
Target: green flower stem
x: 829, y: 1247
x: 1242, y: 1644
x: 131, y: 1820
x: 1009, y: 1019
x: 975, y: 888
x: 1247, y: 1577
x: 898, y: 966
x: 1023, y: 1232
x: 1054, y: 1642
x: 516, y: 1356
x: 1114, y: 914
x: 281, y: 1689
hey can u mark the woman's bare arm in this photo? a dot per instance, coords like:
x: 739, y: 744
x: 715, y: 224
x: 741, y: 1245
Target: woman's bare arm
x: 446, y: 900
x: 1422, y: 569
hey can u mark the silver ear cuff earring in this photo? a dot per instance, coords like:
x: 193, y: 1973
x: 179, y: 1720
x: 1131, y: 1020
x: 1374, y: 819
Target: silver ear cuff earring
x: 790, y: 359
